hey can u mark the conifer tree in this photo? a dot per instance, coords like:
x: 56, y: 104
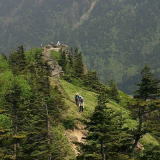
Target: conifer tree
x: 146, y: 94
x: 17, y: 60
x: 91, y: 80
x: 37, y: 143
x: 106, y: 137
x: 153, y: 124
x: 45, y: 108
x: 63, y: 61
x: 78, y: 64
x: 149, y: 87
x: 113, y: 93
x: 33, y: 106
x: 16, y: 106
x: 71, y: 63
x: 6, y: 146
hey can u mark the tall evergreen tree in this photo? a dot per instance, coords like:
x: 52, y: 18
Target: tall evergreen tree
x: 106, y: 139
x: 33, y: 106
x: 78, y: 64
x: 46, y: 108
x: 113, y: 92
x: 17, y: 60
x: 91, y: 81
x: 37, y: 143
x: 16, y: 106
x: 149, y: 87
x: 146, y: 95
x: 63, y: 61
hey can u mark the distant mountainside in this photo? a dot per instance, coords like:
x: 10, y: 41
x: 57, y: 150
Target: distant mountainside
x: 117, y: 37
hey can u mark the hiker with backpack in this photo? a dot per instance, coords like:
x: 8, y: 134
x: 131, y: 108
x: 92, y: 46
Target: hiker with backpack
x: 79, y: 100
x: 81, y: 104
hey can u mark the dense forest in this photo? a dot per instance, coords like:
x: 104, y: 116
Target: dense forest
x: 39, y: 119
x: 117, y: 37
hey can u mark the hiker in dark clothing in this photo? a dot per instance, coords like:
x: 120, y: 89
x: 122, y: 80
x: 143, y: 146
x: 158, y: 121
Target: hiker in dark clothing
x: 81, y: 104
x: 77, y: 99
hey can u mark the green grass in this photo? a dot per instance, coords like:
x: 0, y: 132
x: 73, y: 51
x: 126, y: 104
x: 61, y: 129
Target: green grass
x: 124, y: 98
x: 90, y: 99
x: 56, y: 55
x: 130, y: 123
x: 149, y: 139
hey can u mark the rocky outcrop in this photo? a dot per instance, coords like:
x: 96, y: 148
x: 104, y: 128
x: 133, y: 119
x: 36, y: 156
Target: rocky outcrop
x: 55, y: 68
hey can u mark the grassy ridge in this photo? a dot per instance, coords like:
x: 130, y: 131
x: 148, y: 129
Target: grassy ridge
x: 90, y: 103
x: 90, y: 99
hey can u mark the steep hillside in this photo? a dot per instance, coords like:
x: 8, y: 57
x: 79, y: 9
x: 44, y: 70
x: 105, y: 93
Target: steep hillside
x: 74, y: 119
x: 119, y: 38
x: 39, y: 118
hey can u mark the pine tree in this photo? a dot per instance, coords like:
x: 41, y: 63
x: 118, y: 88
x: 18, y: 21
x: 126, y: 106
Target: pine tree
x: 78, y: 64
x: 63, y: 61
x: 71, y: 63
x: 16, y: 106
x: 153, y: 124
x: 46, y: 107
x: 6, y: 144
x: 145, y: 102
x: 37, y: 142
x: 149, y: 87
x: 91, y: 80
x: 106, y: 137
x: 17, y: 60
x: 113, y: 93
x: 33, y: 106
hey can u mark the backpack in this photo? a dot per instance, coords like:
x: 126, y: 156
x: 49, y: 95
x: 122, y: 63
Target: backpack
x: 81, y: 99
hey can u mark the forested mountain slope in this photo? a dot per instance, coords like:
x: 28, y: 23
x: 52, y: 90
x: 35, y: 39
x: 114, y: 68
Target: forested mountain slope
x: 39, y: 118
x: 117, y: 37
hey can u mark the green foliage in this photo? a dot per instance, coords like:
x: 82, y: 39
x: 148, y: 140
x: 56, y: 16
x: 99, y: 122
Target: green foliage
x: 149, y: 140
x: 78, y: 64
x: 145, y: 105
x: 4, y: 66
x: 149, y: 88
x: 63, y: 61
x: 153, y: 124
x: 5, y: 122
x: 106, y: 139
x: 6, y: 80
x: 151, y: 153
x: 91, y: 81
x: 17, y: 60
x: 72, y: 64
x: 89, y: 99
x: 29, y: 108
x: 113, y: 92
x: 60, y: 145
x: 69, y: 123
x: 14, y: 103
x: 32, y: 54
x: 56, y: 55
x: 32, y: 112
